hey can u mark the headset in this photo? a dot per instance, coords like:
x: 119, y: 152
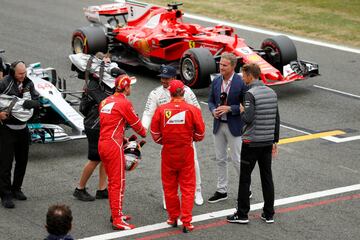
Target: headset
x: 13, y: 66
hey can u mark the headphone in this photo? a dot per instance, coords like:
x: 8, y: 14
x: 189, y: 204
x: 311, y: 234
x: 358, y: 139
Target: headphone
x: 13, y: 66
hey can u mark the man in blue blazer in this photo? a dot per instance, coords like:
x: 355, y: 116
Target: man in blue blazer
x: 226, y: 94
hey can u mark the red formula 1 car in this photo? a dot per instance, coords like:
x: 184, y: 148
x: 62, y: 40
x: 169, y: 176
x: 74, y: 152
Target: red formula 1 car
x: 141, y: 34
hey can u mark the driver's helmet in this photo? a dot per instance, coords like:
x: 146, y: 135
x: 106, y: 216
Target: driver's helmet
x: 132, y: 155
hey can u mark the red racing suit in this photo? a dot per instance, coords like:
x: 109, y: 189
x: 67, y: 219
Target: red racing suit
x: 176, y: 125
x: 115, y: 111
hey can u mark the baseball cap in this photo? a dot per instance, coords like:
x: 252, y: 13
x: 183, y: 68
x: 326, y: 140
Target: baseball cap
x: 122, y: 81
x: 115, y: 72
x: 174, y: 85
x: 167, y: 71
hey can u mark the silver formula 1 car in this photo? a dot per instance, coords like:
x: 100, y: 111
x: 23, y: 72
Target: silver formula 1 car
x: 56, y: 113
x: 56, y: 110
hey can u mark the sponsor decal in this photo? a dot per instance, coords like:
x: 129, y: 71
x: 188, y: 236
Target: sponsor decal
x: 167, y: 114
x: 244, y: 50
x: 178, y: 118
x: 107, y: 108
x: 44, y: 85
x: 191, y: 44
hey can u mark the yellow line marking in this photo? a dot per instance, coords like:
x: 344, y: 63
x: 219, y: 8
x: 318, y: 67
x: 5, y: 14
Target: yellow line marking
x: 310, y: 137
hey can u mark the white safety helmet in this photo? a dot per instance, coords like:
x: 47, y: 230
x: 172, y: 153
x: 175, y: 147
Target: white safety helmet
x: 132, y: 154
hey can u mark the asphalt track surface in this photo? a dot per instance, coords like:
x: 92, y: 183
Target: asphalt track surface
x: 41, y: 30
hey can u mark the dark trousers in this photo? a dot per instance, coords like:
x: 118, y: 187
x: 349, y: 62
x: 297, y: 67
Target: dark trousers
x: 249, y: 156
x: 13, y: 143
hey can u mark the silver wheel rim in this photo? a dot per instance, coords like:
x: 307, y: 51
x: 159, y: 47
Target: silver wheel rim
x: 188, y: 69
x: 78, y: 45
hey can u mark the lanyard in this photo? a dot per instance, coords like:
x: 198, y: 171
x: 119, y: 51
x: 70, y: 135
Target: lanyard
x: 225, y: 87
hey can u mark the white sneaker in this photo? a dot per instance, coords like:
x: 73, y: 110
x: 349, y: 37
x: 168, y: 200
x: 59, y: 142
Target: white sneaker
x: 198, y: 198
x: 164, y: 203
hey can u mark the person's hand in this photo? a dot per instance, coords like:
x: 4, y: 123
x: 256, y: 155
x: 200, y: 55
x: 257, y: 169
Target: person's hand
x: 242, y: 109
x: 274, y: 151
x: 223, y: 109
x: 3, y: 115
x: 215, y: 114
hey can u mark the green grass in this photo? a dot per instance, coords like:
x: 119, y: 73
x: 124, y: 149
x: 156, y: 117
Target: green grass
x: 334, y: 21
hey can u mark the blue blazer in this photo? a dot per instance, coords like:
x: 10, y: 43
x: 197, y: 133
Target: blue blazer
x: 235, y: 97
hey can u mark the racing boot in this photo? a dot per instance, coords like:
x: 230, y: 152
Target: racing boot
x: 120, y: 224
x: 172, y: 222
x: 187, y: 227
x: 124, y: 217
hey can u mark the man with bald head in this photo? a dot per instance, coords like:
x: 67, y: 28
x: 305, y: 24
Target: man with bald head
x: 14, y: 134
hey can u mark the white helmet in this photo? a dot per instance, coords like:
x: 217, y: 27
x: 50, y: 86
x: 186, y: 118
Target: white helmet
x: 132, y: 153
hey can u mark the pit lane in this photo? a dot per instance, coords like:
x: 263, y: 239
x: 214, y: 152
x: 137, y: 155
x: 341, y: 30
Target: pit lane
x: 41, y: 31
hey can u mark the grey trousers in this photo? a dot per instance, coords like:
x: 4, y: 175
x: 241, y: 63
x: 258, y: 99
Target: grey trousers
x: 226, y: 144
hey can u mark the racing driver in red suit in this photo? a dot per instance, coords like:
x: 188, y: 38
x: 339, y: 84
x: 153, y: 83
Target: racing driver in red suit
x: 115, y: 111
x: 176, y: 125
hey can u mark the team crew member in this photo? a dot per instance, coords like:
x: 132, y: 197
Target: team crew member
x: 227, y: 91
x: 261, y: 133
x: 176, y: 125
x: 96, y: 91
x: 14, y: 134
x: 115, y: 111
x: 161, y: 95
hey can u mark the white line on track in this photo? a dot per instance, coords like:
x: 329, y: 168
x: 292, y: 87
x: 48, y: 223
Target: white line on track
x: 223, y: 213
x: 337, y: 91
x: 294, y: 129
x: 263, y: 31
x: 349, y: 169
x: 341, y: 140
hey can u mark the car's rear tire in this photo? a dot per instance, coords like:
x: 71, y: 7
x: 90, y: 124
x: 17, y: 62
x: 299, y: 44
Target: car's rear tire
x: 280, y: 51
x: 89, y: 40
x: 196, y: 65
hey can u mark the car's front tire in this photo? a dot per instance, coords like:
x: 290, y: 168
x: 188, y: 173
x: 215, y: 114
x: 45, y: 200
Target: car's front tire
x: 89, y: 40
x: 280, y: 51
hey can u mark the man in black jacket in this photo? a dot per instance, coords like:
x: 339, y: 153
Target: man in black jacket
x: 260, y: 136
x: 14, y: 134
x: 96, y: 91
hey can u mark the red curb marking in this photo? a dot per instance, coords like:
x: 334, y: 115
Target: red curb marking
x: 252, y: 216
